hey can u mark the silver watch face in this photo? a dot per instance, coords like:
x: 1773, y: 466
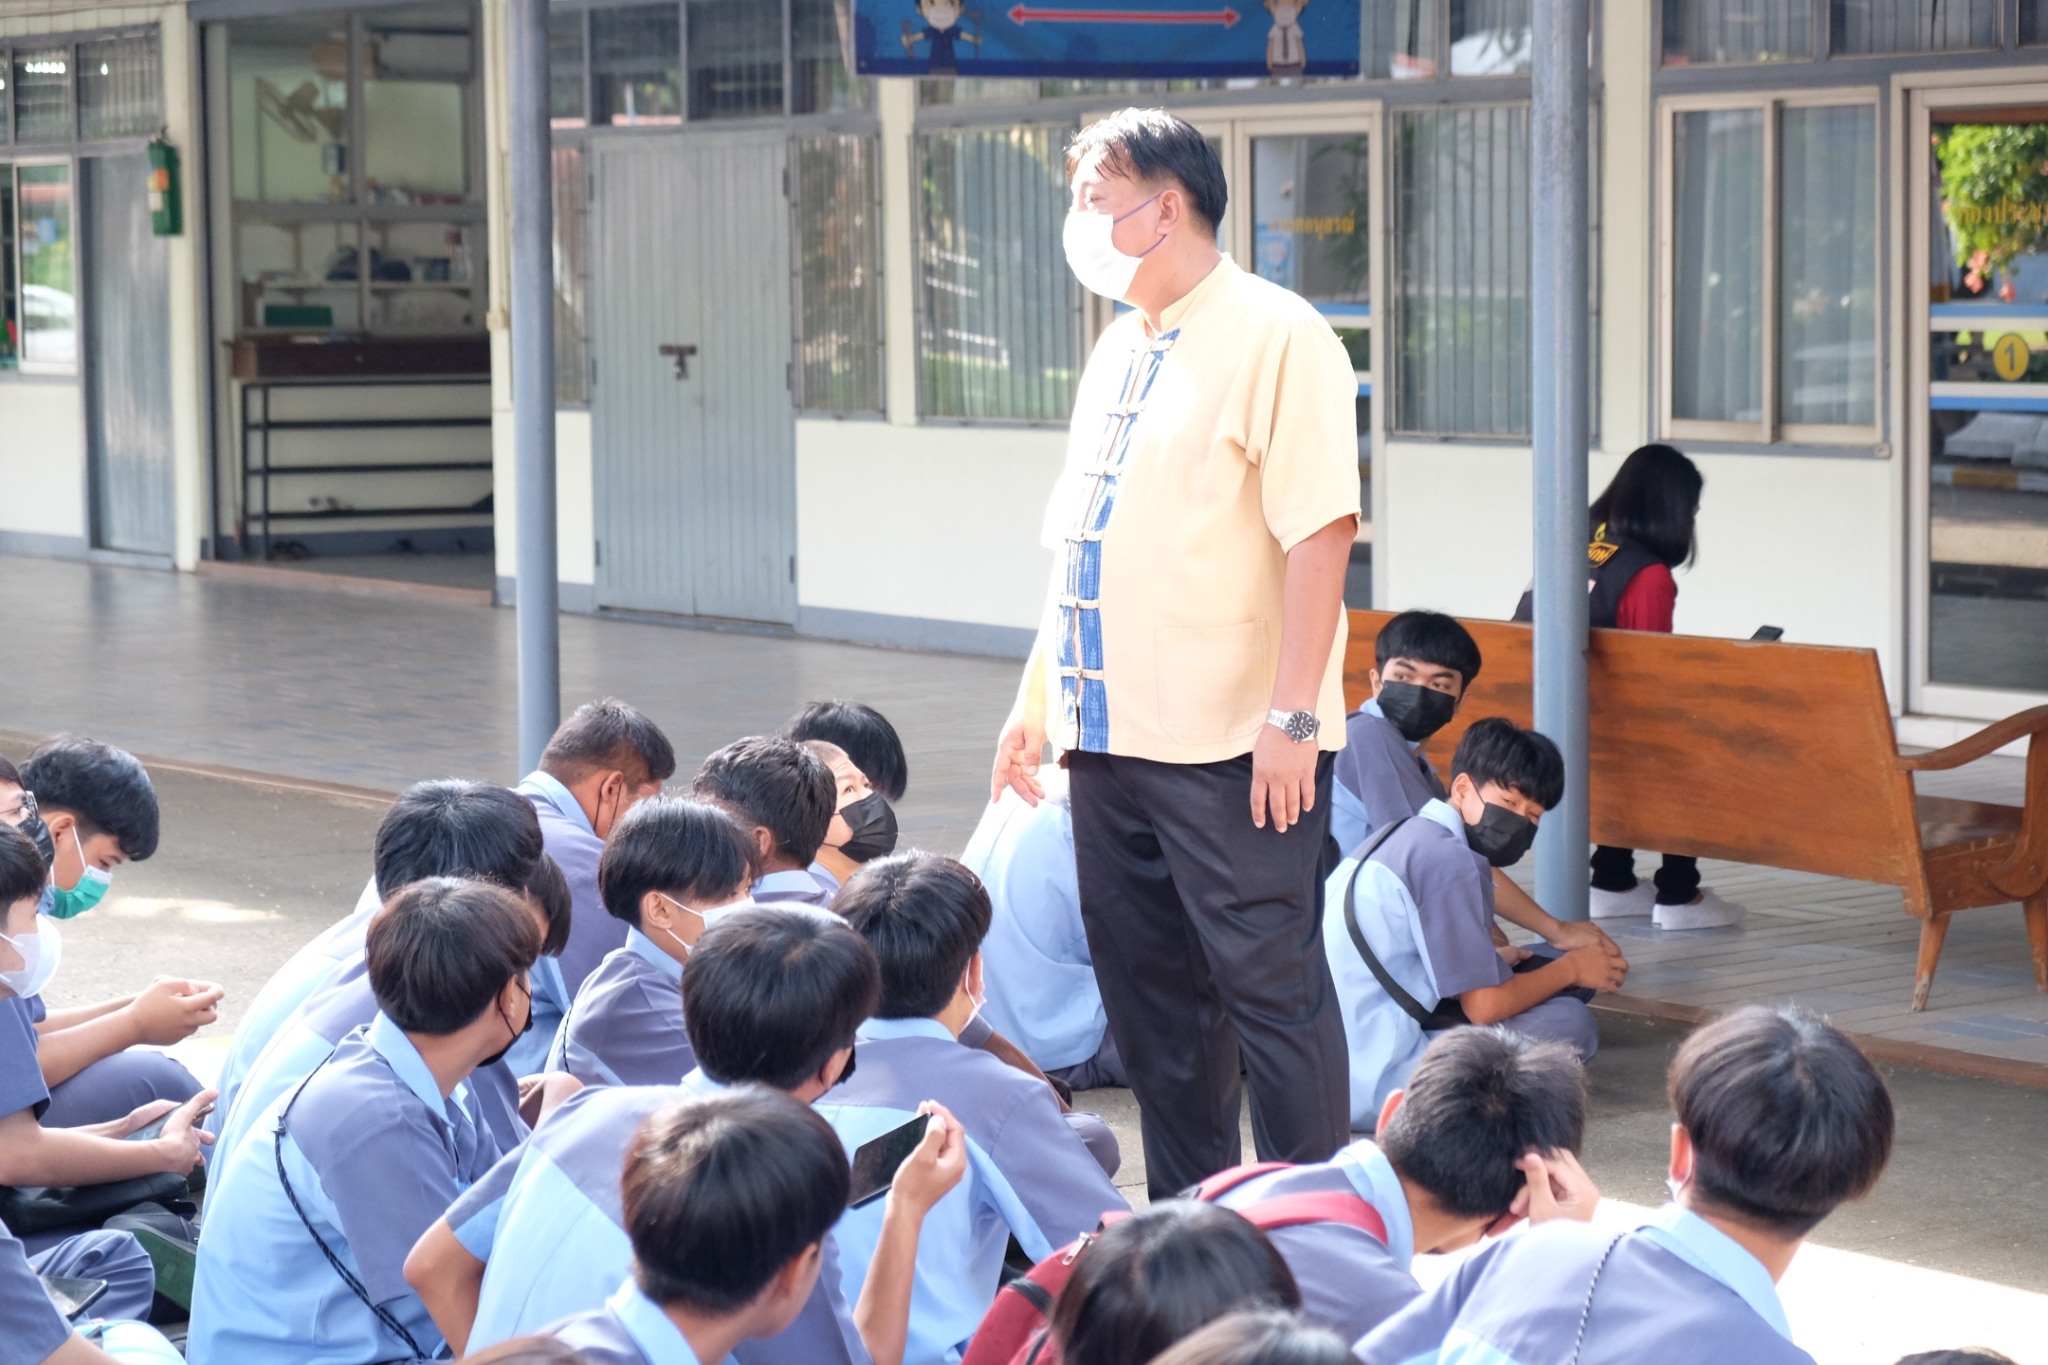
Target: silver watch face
x: 1299, y: 726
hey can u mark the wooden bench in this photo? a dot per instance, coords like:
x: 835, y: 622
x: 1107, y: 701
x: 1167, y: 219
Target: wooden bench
x: 1777, y: 754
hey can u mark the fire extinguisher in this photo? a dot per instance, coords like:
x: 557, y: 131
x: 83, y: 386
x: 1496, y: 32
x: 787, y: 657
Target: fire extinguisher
x: 166, y: 194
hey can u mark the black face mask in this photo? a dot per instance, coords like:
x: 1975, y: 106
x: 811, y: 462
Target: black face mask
x: 873, y: 823
x: 1416, y: 711
x: 1501, y: 836
x: 499, y: 1055
x: 39, y: 834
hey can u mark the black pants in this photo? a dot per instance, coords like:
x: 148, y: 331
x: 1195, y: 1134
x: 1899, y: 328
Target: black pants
x: 1207, y: 937
x: 1678, y: 880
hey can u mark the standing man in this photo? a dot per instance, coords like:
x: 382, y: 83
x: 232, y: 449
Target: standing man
x: 1190, y: 662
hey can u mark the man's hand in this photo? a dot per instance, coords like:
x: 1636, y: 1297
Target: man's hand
x: 1511, y: 954
x: 1557, y: 1187
x: 1283, y: 778
x: 1598, y: 966
x: 172, y: 1009
x: 182, y: 1139
x: 1569, y: 935
x: 1018, y: 754
x: 930, y: 1172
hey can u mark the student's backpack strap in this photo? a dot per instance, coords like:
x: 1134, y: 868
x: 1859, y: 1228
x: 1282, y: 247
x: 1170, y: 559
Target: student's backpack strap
x: 1013, y: 1332
x: 1395, y: 991
x: 1291, y: 1210
x: 1223, y: 1182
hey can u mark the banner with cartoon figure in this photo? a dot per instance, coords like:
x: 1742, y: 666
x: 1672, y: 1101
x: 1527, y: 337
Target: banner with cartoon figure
x: 1121, y: 39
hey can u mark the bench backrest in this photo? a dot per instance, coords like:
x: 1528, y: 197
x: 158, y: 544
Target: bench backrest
x: 1778, y: 754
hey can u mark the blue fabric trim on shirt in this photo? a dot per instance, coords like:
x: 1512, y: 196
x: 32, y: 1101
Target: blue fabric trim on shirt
x: 1379, y: 1185
x: 1713, y: 1252
x: 659, y: 1339
x: 647, y: 948
x: 558, y: 796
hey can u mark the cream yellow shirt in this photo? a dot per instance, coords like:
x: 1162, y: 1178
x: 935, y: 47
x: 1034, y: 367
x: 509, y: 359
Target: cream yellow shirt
x: 1196, y: 460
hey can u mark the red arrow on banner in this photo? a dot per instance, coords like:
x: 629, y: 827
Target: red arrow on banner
x: 1024, y: 14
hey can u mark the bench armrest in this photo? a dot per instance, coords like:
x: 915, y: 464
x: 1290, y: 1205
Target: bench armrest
x: 1991, y: 738
x: 2024, y: 872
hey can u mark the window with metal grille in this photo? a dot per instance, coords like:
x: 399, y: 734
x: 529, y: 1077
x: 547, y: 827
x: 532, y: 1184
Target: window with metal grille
x: 118, y: 80
x: 821, y: 78
x: 835, y: 191
x: 1708, y: 32
x: 1864, y: 27
x: 735, y: 49
x: 572, y: 340
x: 999, y: 313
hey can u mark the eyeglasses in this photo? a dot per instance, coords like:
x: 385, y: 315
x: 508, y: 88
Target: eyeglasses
x: 22, y: 811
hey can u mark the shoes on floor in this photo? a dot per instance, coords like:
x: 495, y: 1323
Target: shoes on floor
x: 1637, y: 900
x: 1704, y: 911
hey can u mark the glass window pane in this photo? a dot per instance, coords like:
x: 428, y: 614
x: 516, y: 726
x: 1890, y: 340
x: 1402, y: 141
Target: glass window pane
x: 976, y: 90
x: 1717, y: 322
x: 1865, y: 26
x: 1461, y: 271
x: 42, y: 94
x: 735, y: 58
x: 49, y: 299
x: 1490, y: 37
x: 118, y: 88
x: 1827, y: 280
x: 424, y: 277
x: 636, y: 71
x: 839, y: 297
x: 565, y: 68
x: 822, y: 79
x: 288, y: 109
x: 1399, y: 40
x: 999, y: 313
x: 416, y: 105
x: 1309, y: 215
x: 10, y: 296
x: 298, y: 276
x: 1698, y: 32
x: 572, y: 211
x: 2034, y: 21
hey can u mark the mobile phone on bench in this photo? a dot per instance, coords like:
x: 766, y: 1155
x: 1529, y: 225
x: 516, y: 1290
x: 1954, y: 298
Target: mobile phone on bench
x: 876, y: 1161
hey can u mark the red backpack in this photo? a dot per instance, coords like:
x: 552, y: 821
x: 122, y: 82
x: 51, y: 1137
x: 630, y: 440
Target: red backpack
x: 1014, y: 1331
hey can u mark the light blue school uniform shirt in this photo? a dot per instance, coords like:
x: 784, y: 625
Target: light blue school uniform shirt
x: 33, y: 1327
x: 1379, y: 777
x: 1028, y: 1175
x: 566, y: 834
x: 374, y: 1153
x: 1042, y: 993
x: 1676, y: 1290
x: 21, y: 1075
x: 630, y: 1329
x: 547, y: 1221
x: 795, y: 888
x: 626, y: 1026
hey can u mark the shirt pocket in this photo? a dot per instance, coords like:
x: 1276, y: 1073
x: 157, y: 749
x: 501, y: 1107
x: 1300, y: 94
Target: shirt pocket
x: 1214, y: 681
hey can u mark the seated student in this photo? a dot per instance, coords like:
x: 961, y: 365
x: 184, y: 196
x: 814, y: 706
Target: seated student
x: 670, y: 868
x: 1419, y: 909
x: 772, y: 996
x: 1263, y: 1337
x: 863, y: 826
x: 1042, y: 992
x: 865, y: 734
x: 18, y: 809
x: 1780, y: 1119
x: 308, y: 1224
x: 32, y: 1151
x: 605, y: 757
x: 1161, y: 1275
x: 36, y: 1333
x: 783, y: 796
x: 1482, y: 1137
x: 443, y: 828
x: 728, y: 1201
x: 100, y: 809
x: 1030, y: 1175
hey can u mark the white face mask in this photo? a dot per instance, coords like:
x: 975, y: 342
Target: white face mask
x: 710, y: 917
x: 40, y: 953
x: 1094, y: 258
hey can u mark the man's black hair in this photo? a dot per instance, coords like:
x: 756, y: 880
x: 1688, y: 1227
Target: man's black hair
x: 609, y: 734
x: 1157, y: 1276
x: 1499, y: 751
x: 769, y: 994
x: 865, y: 734
x: 1787, y: 1118
x: 456, y: 828
x: 22, y: 869
x: 1653, y: 500
x: 441, y: 950
x: 685, y: 849
x: 1150, y: 145
x: 722, y: 1191
x: 925, y: 916
x: 776, y: 783
x: 1477, y: 1101
x: 105, y: 787
x: 10, y: 773
x: 1428, y: 637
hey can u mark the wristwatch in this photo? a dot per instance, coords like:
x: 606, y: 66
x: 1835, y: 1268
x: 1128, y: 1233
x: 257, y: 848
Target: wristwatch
x: 1299, y: 726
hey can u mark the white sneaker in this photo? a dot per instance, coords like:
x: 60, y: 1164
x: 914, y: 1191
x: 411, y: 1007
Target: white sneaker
x: 1704, y: 911
x: 1637, y: 900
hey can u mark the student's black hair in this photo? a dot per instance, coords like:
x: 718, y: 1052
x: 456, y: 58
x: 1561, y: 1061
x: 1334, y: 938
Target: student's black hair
x: 1960, y: 1355
x: 865, y: 734
x: 441, y: 949
x: 22, y: 869
x: 1263, y: 1337
x: 925, y: 916
x: 1787, y: 1118
x: 721, y: 1192
x: 1150, y: 145
x: 1428, y: 637
x: 1653, y: 500
x: 106, y: 788
x: 1157, y: 1276
x: 549, y: 890
x: 10, y: 773
x: 1478, y: 1100
x: 1499, y: 751
x: 609, y: 734
x: 769, y: 994
x: 685, y: 849
x: 456, y: 828
x: 777, y: 783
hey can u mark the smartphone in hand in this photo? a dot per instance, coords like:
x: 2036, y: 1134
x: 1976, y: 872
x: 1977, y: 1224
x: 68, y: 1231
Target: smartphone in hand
x: 154, y: 1129
x: 876, y: 1161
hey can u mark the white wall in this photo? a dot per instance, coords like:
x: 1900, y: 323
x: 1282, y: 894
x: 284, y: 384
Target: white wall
x: 42, y: 461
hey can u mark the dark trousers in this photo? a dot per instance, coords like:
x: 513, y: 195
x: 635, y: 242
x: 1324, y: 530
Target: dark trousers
x: 1207, y: 937
x: 1678, y: 880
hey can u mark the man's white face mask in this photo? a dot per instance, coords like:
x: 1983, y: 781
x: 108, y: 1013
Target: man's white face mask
x: 1093, y: 256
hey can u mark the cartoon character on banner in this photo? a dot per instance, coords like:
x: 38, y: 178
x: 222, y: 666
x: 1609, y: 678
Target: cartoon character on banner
x: 1286, y: 49
x: 942, y: 31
